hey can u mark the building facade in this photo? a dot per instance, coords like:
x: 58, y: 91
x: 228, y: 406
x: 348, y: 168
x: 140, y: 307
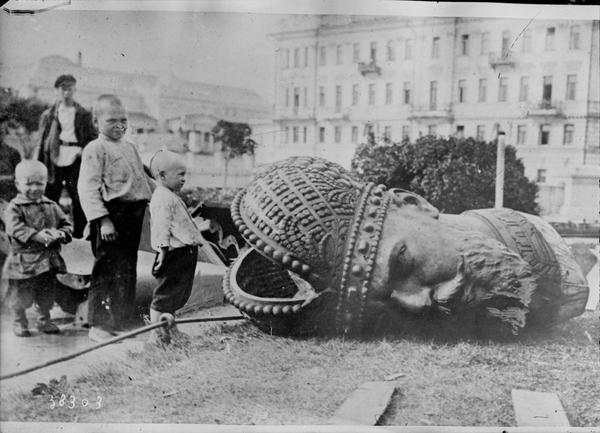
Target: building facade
x: 538, y: 82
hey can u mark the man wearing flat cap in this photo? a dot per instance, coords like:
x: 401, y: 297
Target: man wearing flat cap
x: 65, y: 129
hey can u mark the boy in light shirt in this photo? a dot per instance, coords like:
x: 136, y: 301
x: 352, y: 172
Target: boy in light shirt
x: 114, y: 192
x: 175, y: 237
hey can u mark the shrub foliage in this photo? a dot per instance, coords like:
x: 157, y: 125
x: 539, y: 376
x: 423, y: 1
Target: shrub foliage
x: 453, y: 174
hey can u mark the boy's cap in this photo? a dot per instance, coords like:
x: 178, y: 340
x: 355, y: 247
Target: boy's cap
x: 64, y: 79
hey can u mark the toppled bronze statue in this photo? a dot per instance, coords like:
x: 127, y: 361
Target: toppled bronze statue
x: 332, y: 255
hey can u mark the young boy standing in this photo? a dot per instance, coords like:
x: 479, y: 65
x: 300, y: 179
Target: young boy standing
x: 174, y: 235
x: 114, y: 193
x: 36, y: 227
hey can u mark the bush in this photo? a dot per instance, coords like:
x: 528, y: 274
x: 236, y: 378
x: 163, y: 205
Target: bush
x: 454, y: 175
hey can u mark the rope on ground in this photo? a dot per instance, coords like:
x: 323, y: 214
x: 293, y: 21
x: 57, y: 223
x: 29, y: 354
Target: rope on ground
x: 116, y: 340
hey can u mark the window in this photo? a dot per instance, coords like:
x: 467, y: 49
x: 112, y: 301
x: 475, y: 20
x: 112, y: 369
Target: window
x: 287, y: 135
x: 544, y: 134
x: 435, y: 48
x: 549, y: 45
x: 371, y: 94
x: 541, y: 176
x: 338, y: 54
x: 323, y: 56
x: 287, y: 58
x: 568, y: 134
x: 356, y: 52
x: 388, y: 93
x: 296, y: 97
x: 505, y: 43
x: 502, y: 89
x: 433, y: 95
x: 305, y: 57
x: 305, y: 96
x: 460, y: 131
x: 321, y: 96
x: 521, y: 134
x: 574, y: 38
x: 287, y: 97
x: 296, y: 57
x: 406, y: 92
x: 304, y: 134
x: 391, y: 51
x: 485, y: 43
x: 432, y: 130
x: 482, y: 96
x: 405, y: 132
x: 295, y: 134
x: 464, y: 45
x: 373, y: 51
x: 207, y: 138
x: 526, y: 41
x: 387, y: 133
x: 480, y: 132
x: 462, y: 91
x: 408, y: 49
x: 355, y: 94
x: 547, y: 92
x: 571, y: 87
x: 354, y: 134
x: 338, y: 99
x: 338, y: 134
x: 321, y: 134
x: 524, y: 89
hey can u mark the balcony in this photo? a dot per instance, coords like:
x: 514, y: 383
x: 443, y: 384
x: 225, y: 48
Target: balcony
x: 427, y: 112
x: 546, y: 108
x: 501, y: 59
x: 369, y: 69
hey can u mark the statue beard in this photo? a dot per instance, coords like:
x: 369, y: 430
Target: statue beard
x: 493, y: 285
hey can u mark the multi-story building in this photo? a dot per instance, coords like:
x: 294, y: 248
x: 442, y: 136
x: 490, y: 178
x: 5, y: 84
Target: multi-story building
x: 536, y: 81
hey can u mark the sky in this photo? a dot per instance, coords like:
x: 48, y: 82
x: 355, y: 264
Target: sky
x: 220, y: 48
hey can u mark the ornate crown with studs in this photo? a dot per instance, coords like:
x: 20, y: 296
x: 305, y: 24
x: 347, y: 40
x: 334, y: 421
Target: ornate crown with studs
x: 309, y: 216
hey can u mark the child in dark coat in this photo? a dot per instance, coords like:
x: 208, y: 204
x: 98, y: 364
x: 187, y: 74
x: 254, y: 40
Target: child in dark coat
x: 36, y: 227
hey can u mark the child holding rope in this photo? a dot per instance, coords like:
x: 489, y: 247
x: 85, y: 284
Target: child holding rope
x: 175, y: 237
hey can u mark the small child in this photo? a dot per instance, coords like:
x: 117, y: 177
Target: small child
x: 36, y: 227
x: 175, y: 237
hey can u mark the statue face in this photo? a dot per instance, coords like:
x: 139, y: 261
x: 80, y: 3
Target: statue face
x: 418, y: 255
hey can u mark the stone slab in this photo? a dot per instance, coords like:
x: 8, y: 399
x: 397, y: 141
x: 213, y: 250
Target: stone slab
x: 365, y: 405
x: 538, y: 409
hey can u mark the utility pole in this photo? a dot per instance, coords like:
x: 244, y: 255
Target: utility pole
x: 501, y: 140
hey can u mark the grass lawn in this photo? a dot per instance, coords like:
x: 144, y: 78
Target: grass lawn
x: 235, y: 374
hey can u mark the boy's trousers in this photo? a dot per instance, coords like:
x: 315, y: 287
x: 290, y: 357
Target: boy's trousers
x: 114, y: 275
x: 22, y: 294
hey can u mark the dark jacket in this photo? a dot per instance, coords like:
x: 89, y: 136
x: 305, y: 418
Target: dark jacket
x: 85, y: 131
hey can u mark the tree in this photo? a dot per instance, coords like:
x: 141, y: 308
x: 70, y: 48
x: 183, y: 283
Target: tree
x: 20, y: 117
x: 453, y: 174
x: 235, y: 141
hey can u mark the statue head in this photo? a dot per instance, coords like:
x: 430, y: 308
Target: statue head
x: 331, y: 254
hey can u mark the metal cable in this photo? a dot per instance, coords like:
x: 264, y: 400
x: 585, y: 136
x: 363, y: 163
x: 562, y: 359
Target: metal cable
x: 116, y: 340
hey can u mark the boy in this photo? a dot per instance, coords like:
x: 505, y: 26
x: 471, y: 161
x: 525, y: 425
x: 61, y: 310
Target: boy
x: 174, y: 236
x: 36, y: 227
x: 114, y: 191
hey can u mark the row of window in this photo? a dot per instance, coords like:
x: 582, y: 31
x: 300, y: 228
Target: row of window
x: 299, y: 134
x: 301, y: 94
x: 298, y: 57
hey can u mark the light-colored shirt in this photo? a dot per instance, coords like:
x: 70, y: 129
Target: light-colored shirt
x: 171, y: 225
x: 66, y: 117
x: 111, y: 170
